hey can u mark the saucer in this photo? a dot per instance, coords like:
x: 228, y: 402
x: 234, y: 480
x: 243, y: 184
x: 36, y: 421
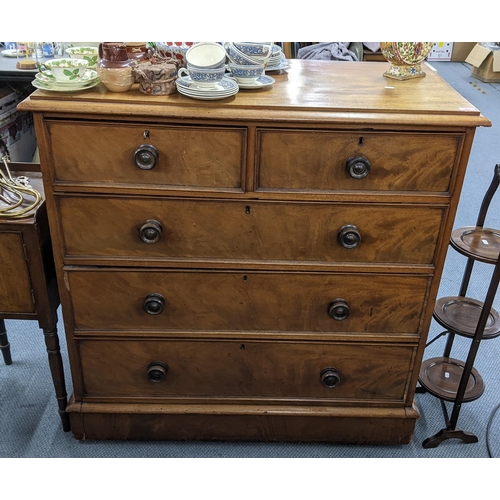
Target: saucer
x: 225, y: 88
x: 48, y: 79
x: 12, y: 53
x: 54, y: 87
x: 283, y: 64
x: 262, y: 82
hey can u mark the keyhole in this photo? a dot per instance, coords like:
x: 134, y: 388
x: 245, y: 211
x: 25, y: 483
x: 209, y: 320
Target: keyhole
x: 146, y: 134
x: 245, y: 278
x: 247, y: 209
x: 242, y: 347
x: 361, y: 141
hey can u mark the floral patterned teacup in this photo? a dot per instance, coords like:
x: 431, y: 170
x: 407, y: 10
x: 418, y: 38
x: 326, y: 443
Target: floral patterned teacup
x: 65, y: 70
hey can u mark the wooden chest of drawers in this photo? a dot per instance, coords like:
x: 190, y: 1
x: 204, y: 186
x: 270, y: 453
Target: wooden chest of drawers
x: 262, y: 267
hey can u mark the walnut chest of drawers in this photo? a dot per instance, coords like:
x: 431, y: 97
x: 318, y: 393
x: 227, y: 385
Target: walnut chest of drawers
x: 262, y: 267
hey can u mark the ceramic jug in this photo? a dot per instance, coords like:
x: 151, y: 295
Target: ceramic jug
x: 114, y: 67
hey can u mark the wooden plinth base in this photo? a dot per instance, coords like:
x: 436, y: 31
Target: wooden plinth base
x: 242, y: 423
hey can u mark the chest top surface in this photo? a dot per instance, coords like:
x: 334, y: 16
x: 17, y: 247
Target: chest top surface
x: 308, y: 89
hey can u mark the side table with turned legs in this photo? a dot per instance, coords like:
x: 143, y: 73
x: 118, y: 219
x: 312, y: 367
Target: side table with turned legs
x: 28, y: 287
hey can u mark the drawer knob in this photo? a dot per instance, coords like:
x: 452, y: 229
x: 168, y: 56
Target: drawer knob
x: 146, y: 156
x: 330, y: 377
x: 154, y: 303
x: 349, y: 236
x: 338, y: 309
x: 150, y: 231
x: 157, y: 371
x: 358, y: 167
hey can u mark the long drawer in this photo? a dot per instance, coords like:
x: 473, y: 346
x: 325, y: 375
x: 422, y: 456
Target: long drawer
x: 322, y: 160
x: 128, y: 227
x: 200, y: 369
x: 188, y: 156
x: 129, y: 299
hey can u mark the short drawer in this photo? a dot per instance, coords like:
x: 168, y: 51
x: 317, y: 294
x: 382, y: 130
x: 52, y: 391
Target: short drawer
x: 128, y: 299
x: 324, y: 161
x: 169, y: 229
x: 187, y: 156
x: 201, y: 369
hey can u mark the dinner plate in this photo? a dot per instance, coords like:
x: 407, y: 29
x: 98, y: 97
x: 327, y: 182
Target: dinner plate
x: 283, y: 64
x: 12, y: 53
x: 57, y: 88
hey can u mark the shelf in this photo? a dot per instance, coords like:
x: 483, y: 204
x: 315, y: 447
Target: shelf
x: 478, y: 243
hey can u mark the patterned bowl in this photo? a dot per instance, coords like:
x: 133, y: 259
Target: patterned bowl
x: 204, y: 78
x: 405, y: 58
x: 245, y: 73
x: 66, y: 70
x: 90, y: 54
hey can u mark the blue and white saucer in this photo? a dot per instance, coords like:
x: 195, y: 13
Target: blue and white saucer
x: 262, y: 82
x: 225, y: 88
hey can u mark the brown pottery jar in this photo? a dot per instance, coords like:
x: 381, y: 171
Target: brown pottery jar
x: 114, y: 67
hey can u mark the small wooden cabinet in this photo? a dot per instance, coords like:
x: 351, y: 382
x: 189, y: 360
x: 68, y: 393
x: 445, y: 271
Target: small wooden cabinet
x: 28, y: 286
x: 262, y: 267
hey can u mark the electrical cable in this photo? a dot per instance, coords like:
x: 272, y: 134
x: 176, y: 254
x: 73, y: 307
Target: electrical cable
x: 488, y: 428
x: 16, y: 188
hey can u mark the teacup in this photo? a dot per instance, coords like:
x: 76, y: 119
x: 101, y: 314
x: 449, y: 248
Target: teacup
x: 90, y: 54
x: 66, y: 69
x: 246, y: 73
x: 205, y: 55
x: 204, y: 78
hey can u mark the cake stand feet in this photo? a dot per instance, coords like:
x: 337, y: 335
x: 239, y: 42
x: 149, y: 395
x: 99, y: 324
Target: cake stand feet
x: 444, y: 434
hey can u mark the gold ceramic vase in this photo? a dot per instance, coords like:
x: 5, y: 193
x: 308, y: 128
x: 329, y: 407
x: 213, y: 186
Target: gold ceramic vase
x: 405, y: 58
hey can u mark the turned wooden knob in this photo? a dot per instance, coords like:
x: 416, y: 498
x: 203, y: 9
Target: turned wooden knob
x: 338, y: 309
x: 150, y: 231
x: 157, y: 371
x: 146, y: 156
x: 154, y: 303
x: 358, y: 166
x: 349, y: 236
x: 330, y: 377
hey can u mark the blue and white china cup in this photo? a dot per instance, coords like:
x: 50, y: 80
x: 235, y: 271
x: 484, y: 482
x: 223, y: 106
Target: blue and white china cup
x: 204, y: 78
x: 246, y: 73
x: 206, y: 55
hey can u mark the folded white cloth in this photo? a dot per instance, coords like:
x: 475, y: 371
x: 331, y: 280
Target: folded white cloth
x: 373, y: 46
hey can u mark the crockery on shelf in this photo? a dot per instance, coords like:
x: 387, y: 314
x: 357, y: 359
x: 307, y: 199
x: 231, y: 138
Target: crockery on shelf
x: 204, y: 77
x: 48, y: 80
x: 205, y: 55
x: 246, y: 73
x: 262, y: 82
x: 114, y: 67
x: 225, y: 88
x: 90, y: 54
x: 65, y: 69
x: 57, y: 87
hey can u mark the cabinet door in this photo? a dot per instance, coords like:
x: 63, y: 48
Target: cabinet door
x: 15, y: 283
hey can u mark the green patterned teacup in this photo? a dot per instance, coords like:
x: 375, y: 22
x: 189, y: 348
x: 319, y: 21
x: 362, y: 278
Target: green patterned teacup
x: 66, y: 69
x: 90, y: 54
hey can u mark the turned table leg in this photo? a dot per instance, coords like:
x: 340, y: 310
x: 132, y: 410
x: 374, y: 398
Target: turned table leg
x: 4, y: 344
x: 57, y: 371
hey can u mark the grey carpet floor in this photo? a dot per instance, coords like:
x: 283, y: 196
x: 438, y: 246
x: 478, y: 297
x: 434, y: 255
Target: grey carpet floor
x: 29, y: 423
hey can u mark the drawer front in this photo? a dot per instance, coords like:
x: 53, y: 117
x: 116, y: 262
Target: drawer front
x: 230, y: 301
x: 195, y: 229
x: 15, y: 281
x: 188, y: 157
x: 304, y: 160
x: 199, y: 369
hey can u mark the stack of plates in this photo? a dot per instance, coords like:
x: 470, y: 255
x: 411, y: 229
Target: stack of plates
x: 277, y: 61
x: 225, y: 88
x: 46, y: 81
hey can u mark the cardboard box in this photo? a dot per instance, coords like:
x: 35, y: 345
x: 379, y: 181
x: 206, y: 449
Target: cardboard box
x: 485, y: 63
x: 461, y: 50
x: 441, y: 52
x: 17, y: 132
